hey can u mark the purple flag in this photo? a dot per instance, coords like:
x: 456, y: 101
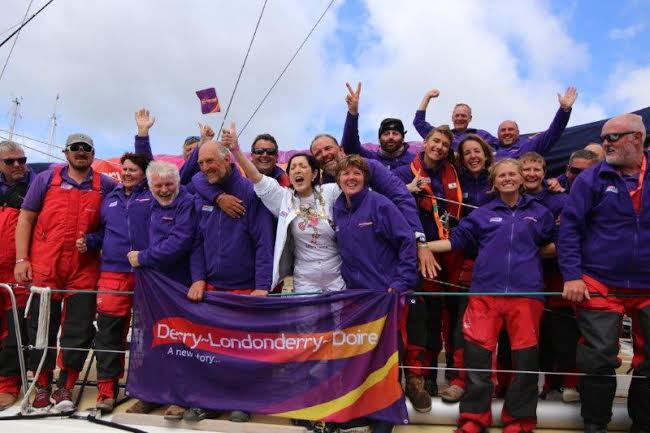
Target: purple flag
x: 332, y: 357
x: 209, y: 100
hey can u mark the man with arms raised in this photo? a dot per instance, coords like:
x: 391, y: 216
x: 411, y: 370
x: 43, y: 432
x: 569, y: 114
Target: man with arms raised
x: 461, y: 116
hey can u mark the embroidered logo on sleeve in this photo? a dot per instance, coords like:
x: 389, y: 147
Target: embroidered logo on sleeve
x: 611, y: 188
x: 113, y: 204
x: 496, y: 219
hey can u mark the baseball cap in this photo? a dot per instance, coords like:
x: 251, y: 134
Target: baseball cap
x: 79, y: 138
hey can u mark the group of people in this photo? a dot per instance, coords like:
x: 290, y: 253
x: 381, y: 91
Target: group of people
x: 470, y: 212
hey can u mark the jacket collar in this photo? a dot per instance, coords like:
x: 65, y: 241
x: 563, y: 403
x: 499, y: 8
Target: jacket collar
x: 356, y: 200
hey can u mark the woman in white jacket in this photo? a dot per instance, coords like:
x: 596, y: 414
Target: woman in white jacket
x: 305, y: 242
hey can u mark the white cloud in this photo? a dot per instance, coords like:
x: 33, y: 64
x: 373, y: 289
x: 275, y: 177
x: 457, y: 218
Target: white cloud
x: 506, y: 59
x: 628, y: 32
x: 630, y: 86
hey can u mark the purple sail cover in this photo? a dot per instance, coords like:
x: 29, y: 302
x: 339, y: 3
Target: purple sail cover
x: 332, y: 357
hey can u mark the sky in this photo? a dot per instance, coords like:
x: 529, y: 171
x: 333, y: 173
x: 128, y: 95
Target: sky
x: 507, y: 59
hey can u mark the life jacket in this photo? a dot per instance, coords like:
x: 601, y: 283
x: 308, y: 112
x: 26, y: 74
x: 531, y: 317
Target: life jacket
x: 10, y: 203
x: 452, y: 192
x: 67, y: 211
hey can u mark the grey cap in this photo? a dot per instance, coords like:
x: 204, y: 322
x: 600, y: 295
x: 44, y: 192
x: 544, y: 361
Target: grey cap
x: 79, y: 138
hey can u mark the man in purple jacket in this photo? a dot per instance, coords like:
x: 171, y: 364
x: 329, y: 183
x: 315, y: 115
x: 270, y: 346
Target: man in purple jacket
x: 171, y: 230
x: 460, y: 117
x: 603, y: 249
x: 393, y: 151
x: 233, y: 255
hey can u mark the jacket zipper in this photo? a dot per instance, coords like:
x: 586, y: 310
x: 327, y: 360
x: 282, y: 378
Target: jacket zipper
x: 512, y: 235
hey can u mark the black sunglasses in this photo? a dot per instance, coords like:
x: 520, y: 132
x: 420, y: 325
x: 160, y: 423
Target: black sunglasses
x: 575, y: 170
x: 12, y: 161
x: 615, y: 136
x: 260, y: 151
x: 74, y: 147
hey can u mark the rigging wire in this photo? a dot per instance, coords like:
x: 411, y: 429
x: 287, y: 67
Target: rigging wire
x: 25, y: 23
x: 13, y: 45
x: 241, y: 70
x: 286, y: 67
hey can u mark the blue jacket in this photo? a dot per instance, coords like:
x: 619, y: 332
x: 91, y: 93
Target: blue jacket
x: 423, y: 127
x: 234, y: 253
x: 124, y: 226
x: 600, y: 233
x: 171, y: 236
x: 383, y: 181
x: 376, y: 244
x: 352, y: 146
x: 508, y: 241
x: 540, y: 143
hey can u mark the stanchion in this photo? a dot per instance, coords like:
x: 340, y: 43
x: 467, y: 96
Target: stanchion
x: 19, y: 338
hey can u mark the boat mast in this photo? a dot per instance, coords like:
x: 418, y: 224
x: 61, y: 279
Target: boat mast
x: 53, y: 125
x: 14, y: 117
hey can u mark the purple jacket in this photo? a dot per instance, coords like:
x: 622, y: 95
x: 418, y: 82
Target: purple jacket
x: 189, y: 168
x: 540, y: 143
x: 210, y: 192
x: 423, y: 127
x: 38, y: 189
x: 508, y: 241
x: 601, y: 235
x: 234, y: 253
x: 383, y: 181
x: 27, y: 180
x: 352, y: 146
x: 375, y: 242
x: 564, y: 182
x: 475, y: 189
x: 124, y: 226
x: 554, y: 202
x: 171, y: 235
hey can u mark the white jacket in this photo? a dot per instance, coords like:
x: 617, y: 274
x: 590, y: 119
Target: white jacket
x: 282, y: 202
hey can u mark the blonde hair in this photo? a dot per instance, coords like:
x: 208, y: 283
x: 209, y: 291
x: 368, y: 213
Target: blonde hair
x: 495, y: 167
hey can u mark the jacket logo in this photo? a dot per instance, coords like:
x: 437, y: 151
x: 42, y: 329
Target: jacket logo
x: 529, y: 218
x: 452, y: 185
x: 365, y: 223
x: 167, y: 218
x: 66, y: 186
x: 143, y: 199
x: 207, y: 208
x: 611, y: 188
x: 496, y: 219
x: 113, y: 204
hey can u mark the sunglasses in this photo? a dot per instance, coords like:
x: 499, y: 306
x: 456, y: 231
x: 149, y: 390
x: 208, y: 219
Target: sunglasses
x: 74, y: 147
x: 575, y: 170
x: 12, y: 161
x: 260, y: 151
x: 615, y: 136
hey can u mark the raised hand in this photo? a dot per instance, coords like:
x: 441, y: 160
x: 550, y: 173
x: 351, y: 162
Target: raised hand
x: 229, y: 138
x: 144, y: 121
x: 206, y: 132
x: 433, y: 93
x: 352, y: 99
x: 566, y: 101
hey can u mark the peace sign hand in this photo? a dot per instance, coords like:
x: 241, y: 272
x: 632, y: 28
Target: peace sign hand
x: 352, y: 99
